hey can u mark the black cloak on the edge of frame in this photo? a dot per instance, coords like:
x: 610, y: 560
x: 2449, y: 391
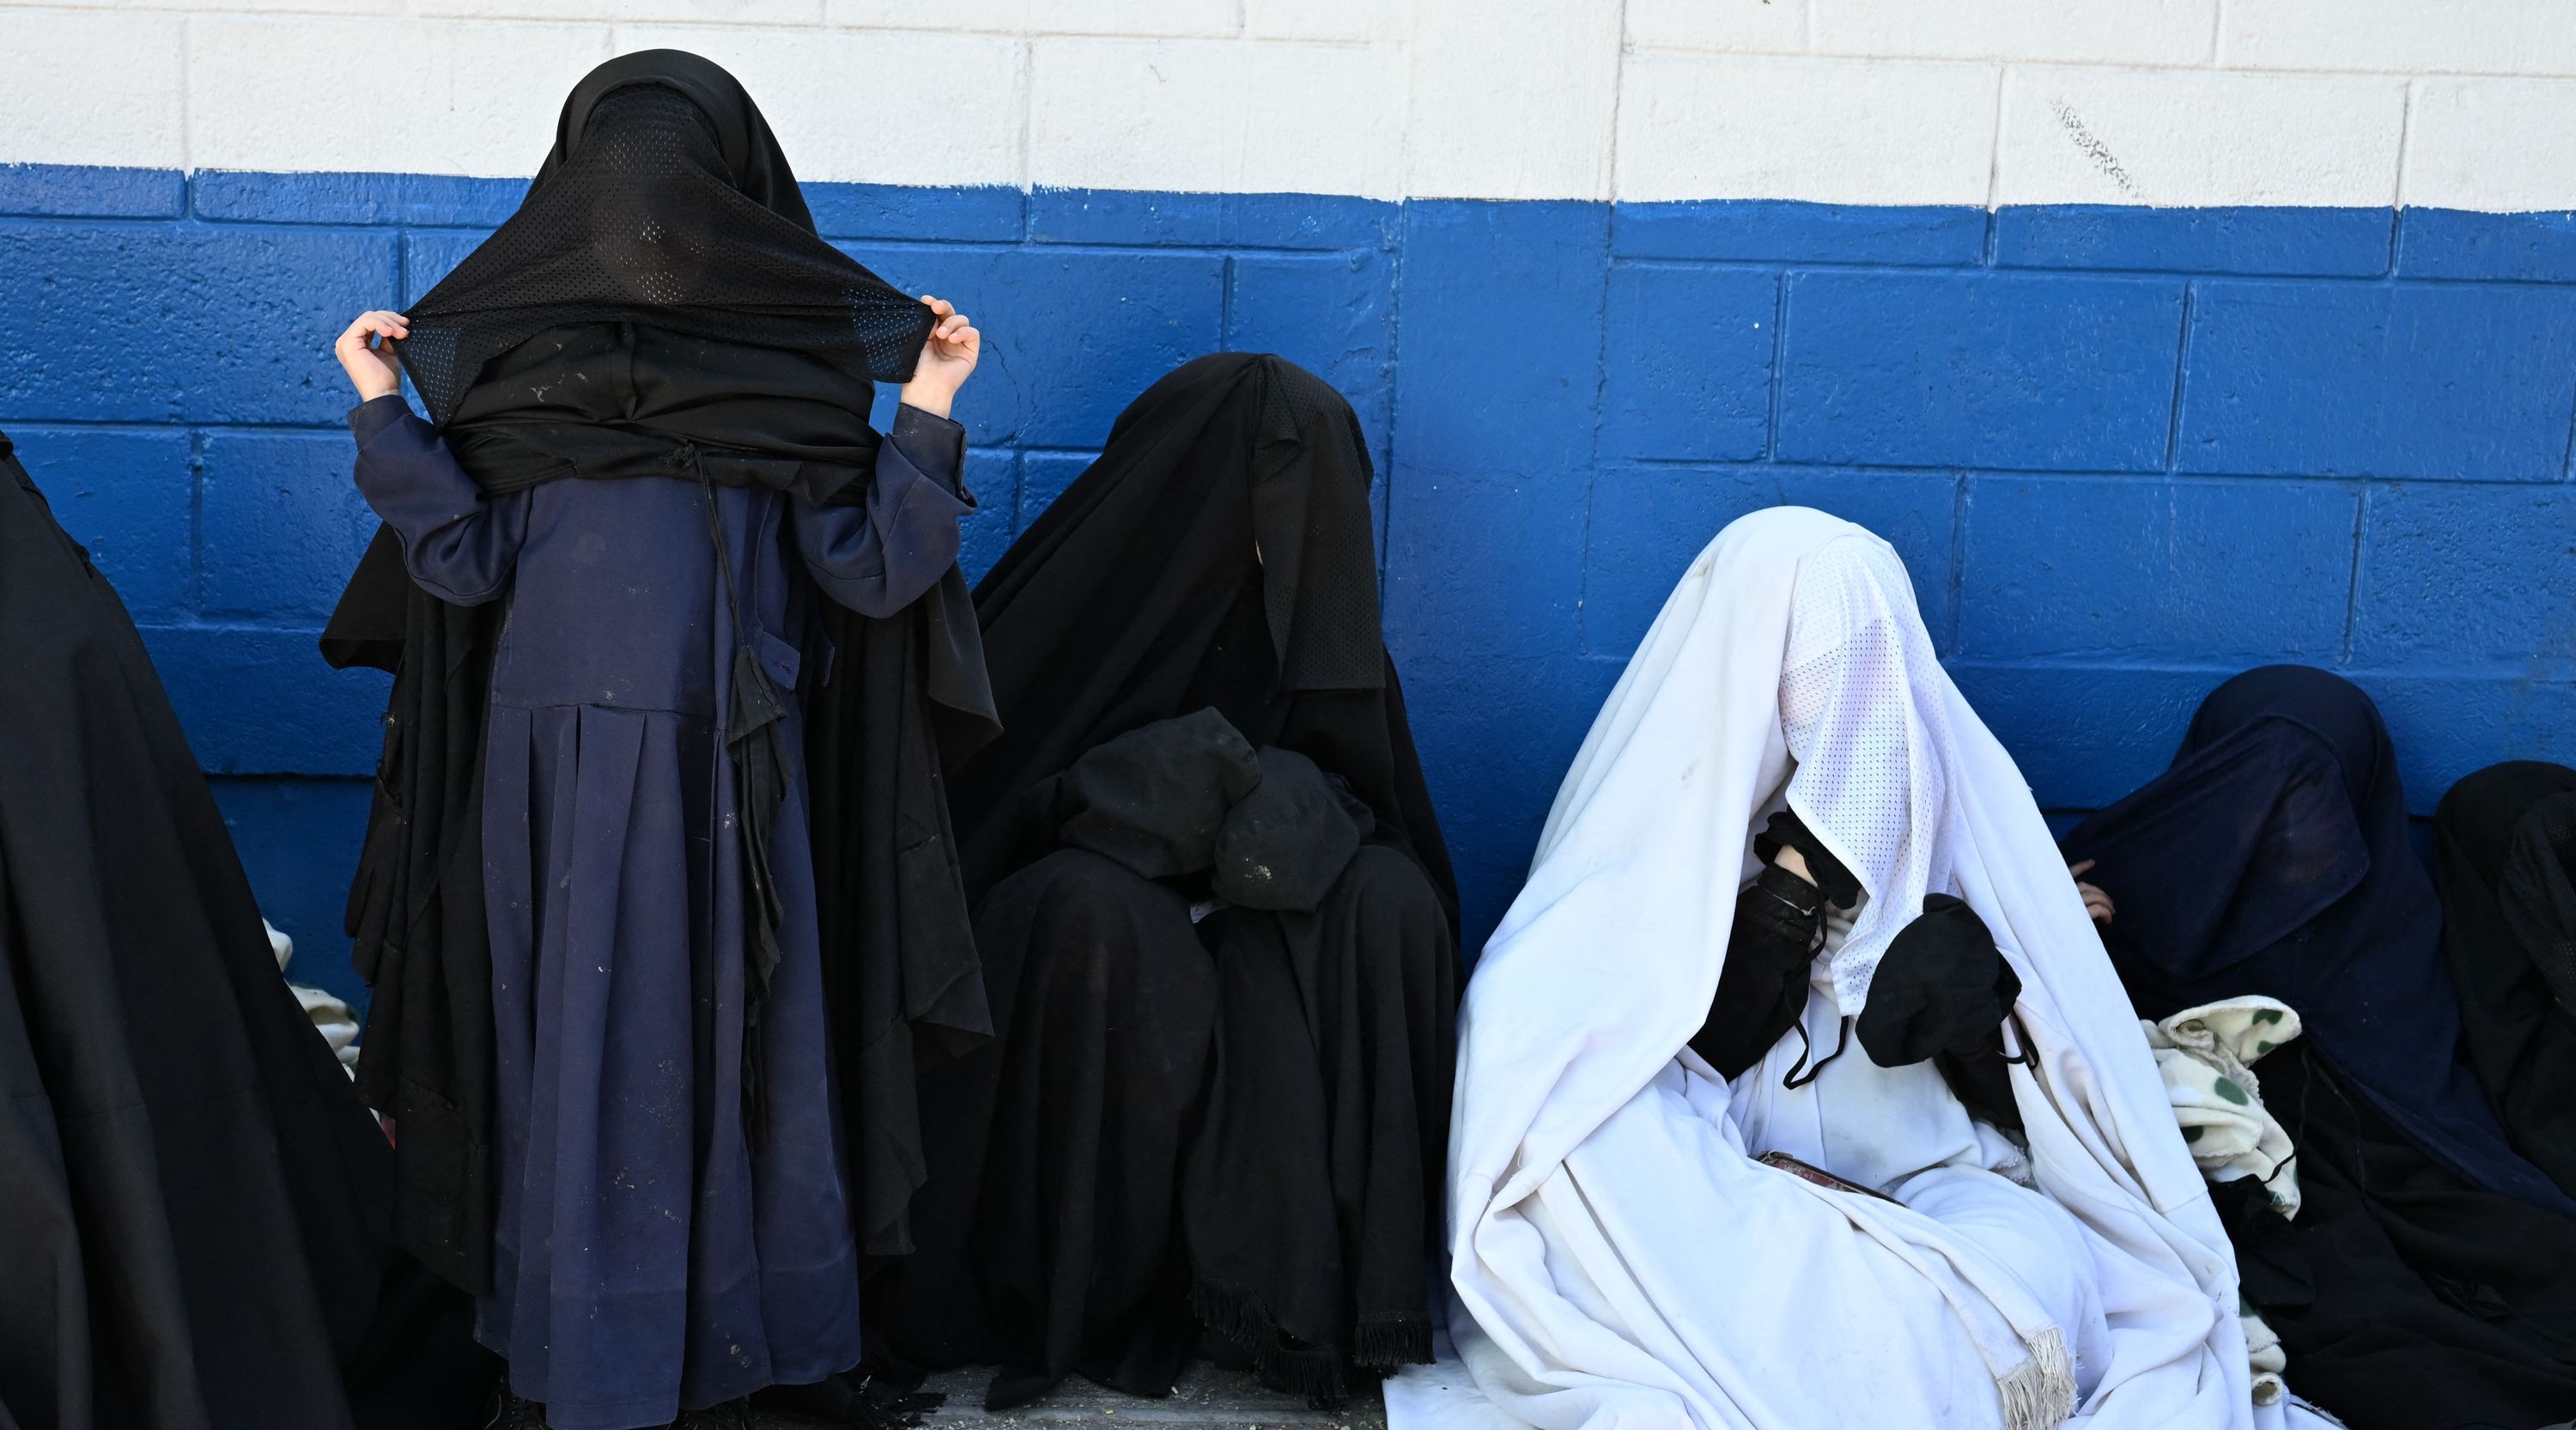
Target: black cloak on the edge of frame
x: 2504, y: 856
x: 194, y: 1204
x: 728, y: 254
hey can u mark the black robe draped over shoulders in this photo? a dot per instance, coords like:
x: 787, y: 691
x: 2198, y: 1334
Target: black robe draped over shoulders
x: 1216, y: 1108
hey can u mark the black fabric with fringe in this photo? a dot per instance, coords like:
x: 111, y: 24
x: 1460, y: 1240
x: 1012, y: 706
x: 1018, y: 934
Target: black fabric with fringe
x: 1225, y: 1133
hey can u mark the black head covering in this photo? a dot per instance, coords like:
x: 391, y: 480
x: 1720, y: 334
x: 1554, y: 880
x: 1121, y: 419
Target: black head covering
x: 2272, y: 858
x: 1218, y: 554
x: 682, y: 216
x: 659, y: 307
x: 2504, y: 856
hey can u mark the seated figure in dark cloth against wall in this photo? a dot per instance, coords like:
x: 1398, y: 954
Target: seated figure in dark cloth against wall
x: 2504, y: 857
x: 195, y: 1207
x: 677, y: 628
x: 2428, y: 1278
x: 1218, y: 929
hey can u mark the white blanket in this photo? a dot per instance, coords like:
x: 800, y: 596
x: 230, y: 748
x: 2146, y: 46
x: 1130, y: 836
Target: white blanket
x: 1618, y: 1258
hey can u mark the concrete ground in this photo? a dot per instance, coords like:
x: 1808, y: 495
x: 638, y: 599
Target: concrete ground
x: 1207, y: 1399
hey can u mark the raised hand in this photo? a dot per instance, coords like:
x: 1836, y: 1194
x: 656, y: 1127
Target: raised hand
x: 947, y: 359
x: 372, y: 369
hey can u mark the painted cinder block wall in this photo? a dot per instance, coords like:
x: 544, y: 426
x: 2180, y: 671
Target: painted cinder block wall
x: 2162, y: 337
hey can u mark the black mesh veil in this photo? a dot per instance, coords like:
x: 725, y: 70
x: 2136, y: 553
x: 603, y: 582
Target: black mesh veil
x: 665, y: 201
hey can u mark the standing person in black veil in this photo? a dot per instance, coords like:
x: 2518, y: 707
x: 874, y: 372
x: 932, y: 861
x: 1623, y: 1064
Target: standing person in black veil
x: 680, y: 639
x: 1218, y: 927
x: 195, y: 1207
x: 2429, y: 1277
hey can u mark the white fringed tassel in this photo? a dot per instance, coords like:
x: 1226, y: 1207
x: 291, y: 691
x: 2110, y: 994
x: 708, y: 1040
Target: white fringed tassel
x: 2040, y: 1393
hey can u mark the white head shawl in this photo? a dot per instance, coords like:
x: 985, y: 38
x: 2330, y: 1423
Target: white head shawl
x: 1795, y: 631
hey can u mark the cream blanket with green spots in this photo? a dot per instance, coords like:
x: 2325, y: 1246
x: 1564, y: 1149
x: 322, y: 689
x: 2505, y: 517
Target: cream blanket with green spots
x: 2205, y: 1054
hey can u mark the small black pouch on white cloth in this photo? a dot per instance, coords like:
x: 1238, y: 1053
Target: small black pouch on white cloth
x: 1942, y: 984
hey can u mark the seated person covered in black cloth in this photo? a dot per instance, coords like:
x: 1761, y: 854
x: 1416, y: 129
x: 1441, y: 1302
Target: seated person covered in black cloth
x: 2504, y: 857
x: 1218, y: 928
x: 195, y: 1207
x: 2429, y: 1278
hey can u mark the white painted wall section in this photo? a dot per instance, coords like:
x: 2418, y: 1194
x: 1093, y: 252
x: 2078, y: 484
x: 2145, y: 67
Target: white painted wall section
x: 2455, y: 103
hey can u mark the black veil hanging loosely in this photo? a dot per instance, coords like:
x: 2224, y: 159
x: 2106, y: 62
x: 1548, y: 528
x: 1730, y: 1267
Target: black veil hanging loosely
x: 645, y: 227
x: 666, y: 206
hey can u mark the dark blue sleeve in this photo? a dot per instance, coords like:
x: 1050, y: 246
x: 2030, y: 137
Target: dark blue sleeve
x: 458, y: 544
x: 880, y: 555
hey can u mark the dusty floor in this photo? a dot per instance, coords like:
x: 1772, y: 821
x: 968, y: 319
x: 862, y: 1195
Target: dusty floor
x: 1208, y: 1399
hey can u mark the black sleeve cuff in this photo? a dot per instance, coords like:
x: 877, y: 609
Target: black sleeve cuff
x: 935, y: 446
x: 375, y: 415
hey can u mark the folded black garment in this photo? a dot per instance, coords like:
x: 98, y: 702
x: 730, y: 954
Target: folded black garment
x: 1189, y: 796
x: 1154, y: 798
x: 1283, y: 844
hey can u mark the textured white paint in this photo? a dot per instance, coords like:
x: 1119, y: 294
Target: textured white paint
x: 1856, y: 101
x: 394, y: 95
x: 1512, y: 100
x: 2143, y: 32
x: 1780, y: 27
x: 1837, y: 131
x: 1045, y: 17
x: 2180, y: 138
x: 2401, y: 36
x: 91, y: 89
x: 722, y: 12
x: 2459, y: 126
x: 1004, y: 17
x: 1327, y: 19
x: 959, y: 121
x: 1216, y: 116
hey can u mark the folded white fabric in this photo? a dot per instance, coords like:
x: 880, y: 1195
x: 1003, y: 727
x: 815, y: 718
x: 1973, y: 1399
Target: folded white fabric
x: 331, y: 1017
x: 2206, y: 1056
x: 2263, y: 1355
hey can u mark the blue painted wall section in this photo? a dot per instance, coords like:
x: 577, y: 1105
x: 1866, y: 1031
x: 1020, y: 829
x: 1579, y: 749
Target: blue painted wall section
x: 2124, y: 452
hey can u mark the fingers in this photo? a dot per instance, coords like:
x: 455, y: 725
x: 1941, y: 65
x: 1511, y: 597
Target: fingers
x: 939, y: 306
x: 2097, y: 905
x: 372, y: 324
x: 2078, y: 870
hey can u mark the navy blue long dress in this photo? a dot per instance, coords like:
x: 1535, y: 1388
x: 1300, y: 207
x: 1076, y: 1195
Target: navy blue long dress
x: 647, y: 1258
